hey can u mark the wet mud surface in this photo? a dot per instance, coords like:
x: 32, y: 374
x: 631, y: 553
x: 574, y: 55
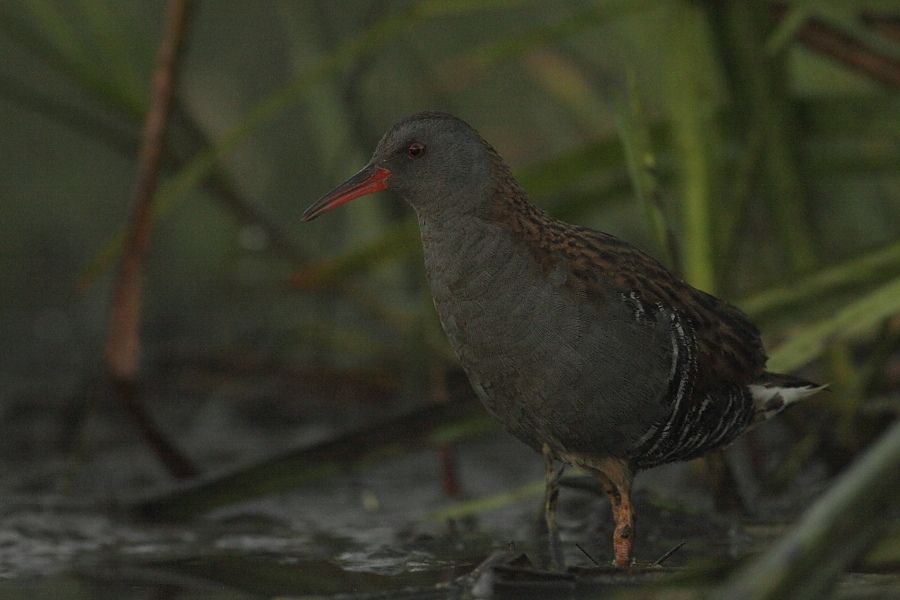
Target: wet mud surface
x: 388, y: 530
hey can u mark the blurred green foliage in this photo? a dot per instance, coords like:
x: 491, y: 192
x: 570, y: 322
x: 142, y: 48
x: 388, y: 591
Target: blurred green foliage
x: 705, y: 132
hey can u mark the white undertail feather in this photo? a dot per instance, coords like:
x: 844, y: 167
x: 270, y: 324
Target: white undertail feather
x: 772, y: 399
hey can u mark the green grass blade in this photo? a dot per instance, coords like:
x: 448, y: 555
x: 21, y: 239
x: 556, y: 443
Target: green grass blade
x: 869, y: 268
x: 569, y: 85
x: 692, y: 83
x: 548, y: 177
x: 270, y: 107
x: 855, y: 319
x: 201, y: 166
x: 764, y: 109
x: 634, y: 131
x: 59, y: 46
x: 790, y: 24
x: 829, y: 537
x: 468, y: 508
x: 114, y: 44
x: 484, y: 57
x: 59, y: 31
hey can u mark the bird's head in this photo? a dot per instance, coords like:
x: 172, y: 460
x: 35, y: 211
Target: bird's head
x: 435, y: 161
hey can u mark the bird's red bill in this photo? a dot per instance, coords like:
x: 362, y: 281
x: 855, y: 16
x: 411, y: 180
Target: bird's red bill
x: 369, y: 180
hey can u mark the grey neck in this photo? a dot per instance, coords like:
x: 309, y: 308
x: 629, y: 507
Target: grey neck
x: 457, y: 245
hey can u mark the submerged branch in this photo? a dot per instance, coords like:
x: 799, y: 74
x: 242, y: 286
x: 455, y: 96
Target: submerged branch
x: 432, y: 425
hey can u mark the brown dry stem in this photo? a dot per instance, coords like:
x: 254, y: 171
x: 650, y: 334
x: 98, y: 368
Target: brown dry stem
x: 123, y: 342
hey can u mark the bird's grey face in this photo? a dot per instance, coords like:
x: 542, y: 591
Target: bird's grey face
x: 435, y: 161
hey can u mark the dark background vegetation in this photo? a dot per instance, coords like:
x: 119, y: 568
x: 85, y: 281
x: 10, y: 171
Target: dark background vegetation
x: 753, y: 146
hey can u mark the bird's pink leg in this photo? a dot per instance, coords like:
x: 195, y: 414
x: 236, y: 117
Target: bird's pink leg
x: 615, y: 477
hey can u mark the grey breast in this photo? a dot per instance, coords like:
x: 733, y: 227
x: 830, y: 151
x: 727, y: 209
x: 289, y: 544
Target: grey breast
x: 583, y: 374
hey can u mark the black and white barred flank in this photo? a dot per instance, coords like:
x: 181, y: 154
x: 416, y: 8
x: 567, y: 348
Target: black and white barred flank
x: 696, y: 425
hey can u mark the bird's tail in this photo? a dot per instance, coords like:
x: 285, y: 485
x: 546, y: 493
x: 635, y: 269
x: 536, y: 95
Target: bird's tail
x: 773, y: 392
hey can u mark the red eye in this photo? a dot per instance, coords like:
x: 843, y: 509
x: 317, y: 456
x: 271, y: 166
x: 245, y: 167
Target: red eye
x: 415, y: 150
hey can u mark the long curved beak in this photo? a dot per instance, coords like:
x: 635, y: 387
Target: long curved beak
x: 369, y: 180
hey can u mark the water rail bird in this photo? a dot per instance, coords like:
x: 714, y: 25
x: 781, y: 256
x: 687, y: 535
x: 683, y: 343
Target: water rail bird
x: 584, y: 347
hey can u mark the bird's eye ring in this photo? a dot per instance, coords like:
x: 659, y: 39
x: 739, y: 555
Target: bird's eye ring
x: 415, y: 150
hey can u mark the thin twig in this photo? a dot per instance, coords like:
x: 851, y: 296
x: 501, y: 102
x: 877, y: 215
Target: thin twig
x: 123, y: 342
x: 659, y: 561
x: 586, y: 553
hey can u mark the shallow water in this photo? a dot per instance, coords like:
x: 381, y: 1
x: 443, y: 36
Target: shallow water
x: 372, y: 532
